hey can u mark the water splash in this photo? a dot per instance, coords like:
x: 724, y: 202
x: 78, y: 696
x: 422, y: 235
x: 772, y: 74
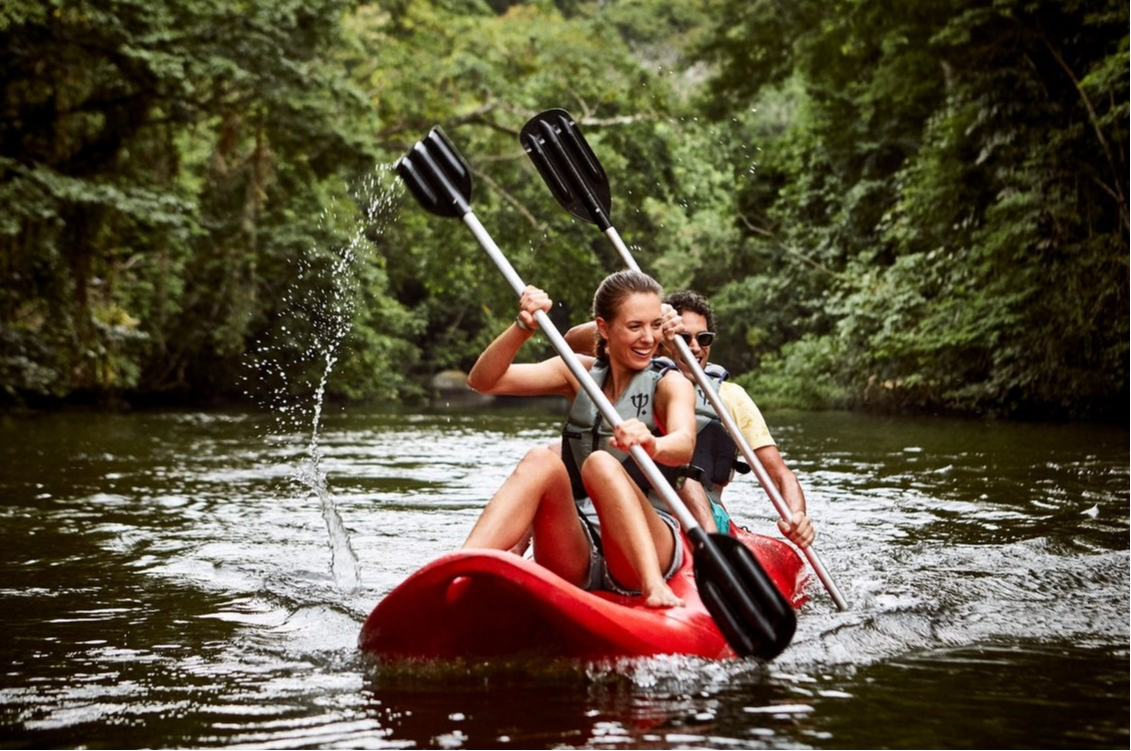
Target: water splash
x: 295, y: 363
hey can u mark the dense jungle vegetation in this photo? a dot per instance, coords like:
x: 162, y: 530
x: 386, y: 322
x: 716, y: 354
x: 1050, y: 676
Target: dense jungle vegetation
x: 903, y: 206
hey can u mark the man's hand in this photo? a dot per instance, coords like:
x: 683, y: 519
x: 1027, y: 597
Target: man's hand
x: 799, y: 530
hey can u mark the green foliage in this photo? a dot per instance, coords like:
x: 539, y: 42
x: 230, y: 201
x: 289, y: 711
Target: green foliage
x: 948, y: 200
x: 160, y: 170
x: 909, y: 207
x: 804, y: 373
x: 481, y: 75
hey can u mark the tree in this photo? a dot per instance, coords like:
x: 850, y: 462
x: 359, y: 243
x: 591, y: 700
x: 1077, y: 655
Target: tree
x: 948, y: 201
x: 162, y: 164
x: 480, y: 74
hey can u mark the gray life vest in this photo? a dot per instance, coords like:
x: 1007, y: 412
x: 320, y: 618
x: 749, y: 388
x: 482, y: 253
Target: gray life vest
x: 586, y: 431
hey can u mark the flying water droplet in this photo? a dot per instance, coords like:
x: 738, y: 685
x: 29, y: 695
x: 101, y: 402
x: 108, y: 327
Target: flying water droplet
x: 316, y: 317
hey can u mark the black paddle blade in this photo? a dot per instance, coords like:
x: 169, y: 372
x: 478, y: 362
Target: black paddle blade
x: 755, y: 618
x: 437, y: 175
x: 568, y: 165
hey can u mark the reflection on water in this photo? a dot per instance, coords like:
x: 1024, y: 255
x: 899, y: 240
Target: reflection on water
x: 654, y: 703
x: 165, y: 583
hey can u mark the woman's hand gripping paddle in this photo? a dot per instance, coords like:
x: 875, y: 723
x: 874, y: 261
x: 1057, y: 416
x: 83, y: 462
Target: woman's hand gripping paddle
x: 750, y: 612
x: 577, y: 180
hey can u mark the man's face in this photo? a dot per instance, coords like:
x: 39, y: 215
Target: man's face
x: 693, y: 325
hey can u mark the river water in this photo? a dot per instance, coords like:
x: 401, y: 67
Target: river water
x: 198, y: 579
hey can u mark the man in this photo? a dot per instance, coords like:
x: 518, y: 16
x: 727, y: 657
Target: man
x: 714, y: 447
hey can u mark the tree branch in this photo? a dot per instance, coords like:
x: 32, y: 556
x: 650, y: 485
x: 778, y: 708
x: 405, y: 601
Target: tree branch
x: 1093, y: 118
x: 509, y: 199
x: 785, y: 248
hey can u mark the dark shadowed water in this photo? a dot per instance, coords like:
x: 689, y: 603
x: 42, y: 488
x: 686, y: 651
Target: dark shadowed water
x: 179, y: 580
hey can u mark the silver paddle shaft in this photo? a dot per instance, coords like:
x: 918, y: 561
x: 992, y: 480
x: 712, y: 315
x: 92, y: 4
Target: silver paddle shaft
x: 639, y: 455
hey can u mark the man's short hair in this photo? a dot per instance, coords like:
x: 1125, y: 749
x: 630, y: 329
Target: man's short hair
x: 686, y: 299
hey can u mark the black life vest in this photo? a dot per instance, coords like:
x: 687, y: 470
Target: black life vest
x: 715, y: 451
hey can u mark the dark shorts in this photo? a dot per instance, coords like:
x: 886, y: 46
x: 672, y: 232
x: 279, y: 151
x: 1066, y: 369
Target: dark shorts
x: 599, y: 576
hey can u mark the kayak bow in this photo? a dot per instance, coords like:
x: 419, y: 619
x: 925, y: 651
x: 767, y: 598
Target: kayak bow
x: 488, y: 603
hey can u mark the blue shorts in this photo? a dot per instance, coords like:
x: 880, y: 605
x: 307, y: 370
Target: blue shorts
x: 722, y: 518
x: 599, y: 576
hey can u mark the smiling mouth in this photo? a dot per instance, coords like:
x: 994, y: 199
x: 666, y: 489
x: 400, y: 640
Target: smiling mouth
x: 643, y: 352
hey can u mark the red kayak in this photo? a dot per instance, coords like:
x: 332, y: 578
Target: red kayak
x: 485, y: 603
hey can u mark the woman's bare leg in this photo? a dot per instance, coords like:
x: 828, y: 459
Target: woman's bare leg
x: 508, y: 515
x: 560, y: 542
x: 537, y: 499
x: 636, y: 541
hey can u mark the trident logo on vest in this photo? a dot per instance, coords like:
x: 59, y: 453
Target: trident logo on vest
x: 640, y: 401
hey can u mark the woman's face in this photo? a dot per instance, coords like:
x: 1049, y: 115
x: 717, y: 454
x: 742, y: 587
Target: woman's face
x: 634, y: 331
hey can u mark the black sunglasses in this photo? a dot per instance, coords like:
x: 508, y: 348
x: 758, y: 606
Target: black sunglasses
x: 705, y: 338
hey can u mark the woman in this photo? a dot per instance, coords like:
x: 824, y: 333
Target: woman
x: 624, y: 539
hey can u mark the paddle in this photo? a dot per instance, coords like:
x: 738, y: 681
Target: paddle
x: 575, y: 177
x: 750, y: 612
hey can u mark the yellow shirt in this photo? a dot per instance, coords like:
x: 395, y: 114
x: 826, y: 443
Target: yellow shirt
x: 746, y: 414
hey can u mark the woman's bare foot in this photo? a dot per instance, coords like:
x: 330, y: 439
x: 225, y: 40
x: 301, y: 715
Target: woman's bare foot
x: 660, y: 596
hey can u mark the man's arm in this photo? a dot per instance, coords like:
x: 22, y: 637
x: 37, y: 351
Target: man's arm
x: 798, y: 529
x: 582, y: 338
x: 753, y: 426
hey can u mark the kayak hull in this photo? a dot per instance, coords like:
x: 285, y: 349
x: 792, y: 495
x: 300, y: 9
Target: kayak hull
x: 488, y: 603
